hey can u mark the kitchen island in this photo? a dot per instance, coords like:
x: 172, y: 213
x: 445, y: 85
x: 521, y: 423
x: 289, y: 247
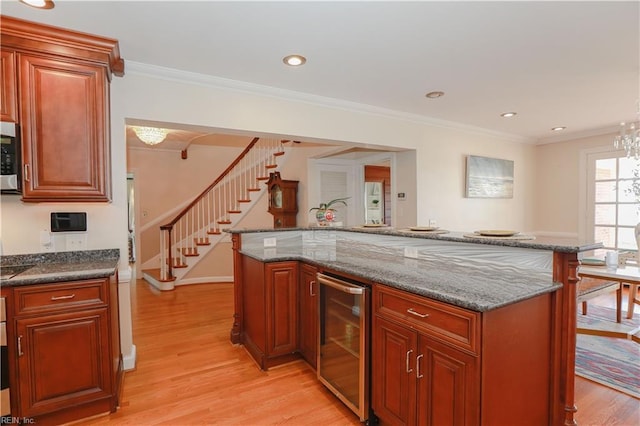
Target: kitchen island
x: 503, y: 293
x: 63, y: 334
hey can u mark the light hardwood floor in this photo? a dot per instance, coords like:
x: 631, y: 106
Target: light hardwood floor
x: 188, y: 373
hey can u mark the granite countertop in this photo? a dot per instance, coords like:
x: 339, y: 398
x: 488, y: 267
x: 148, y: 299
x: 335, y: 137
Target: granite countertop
x: 478, y: 278
x: 562, y: 245
x: 57, y: 267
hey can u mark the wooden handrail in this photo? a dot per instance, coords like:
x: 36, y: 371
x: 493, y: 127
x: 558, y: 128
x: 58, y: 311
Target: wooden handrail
x: 235, y: 162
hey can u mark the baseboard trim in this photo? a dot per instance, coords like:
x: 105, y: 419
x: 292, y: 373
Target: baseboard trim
x: 204, y: 280
x: 129, y: 361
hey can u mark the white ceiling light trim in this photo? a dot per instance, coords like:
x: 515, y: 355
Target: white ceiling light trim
x: 150, y: 135
x: 294, y: 60
x: 39, y: 4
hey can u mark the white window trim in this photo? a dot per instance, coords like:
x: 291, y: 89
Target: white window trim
x: 586, y: 202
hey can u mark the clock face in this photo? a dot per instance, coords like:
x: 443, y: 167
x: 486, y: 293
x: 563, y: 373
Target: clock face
x: 276, y: 197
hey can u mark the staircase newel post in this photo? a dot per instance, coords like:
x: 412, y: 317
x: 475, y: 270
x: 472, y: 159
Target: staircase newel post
x: 170, y: 275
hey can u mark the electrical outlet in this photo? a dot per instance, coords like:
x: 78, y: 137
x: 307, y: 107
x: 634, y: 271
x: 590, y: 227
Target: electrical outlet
x: 411, y: 252
x: 432, y: 222
x: 76, y: 242
x: 46, y: 242
x: 270, y: 242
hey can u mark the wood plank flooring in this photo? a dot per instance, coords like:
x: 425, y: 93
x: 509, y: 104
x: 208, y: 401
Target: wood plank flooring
x: 188, y: 373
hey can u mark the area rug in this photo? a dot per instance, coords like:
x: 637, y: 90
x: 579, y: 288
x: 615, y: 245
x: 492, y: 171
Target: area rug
x: 612, y: 362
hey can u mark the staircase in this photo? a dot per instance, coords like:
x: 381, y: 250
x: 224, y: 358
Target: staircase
x: 195, y: 231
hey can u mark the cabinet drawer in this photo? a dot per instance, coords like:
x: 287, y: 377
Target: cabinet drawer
x: 450, y: 323
x: 63, y: 296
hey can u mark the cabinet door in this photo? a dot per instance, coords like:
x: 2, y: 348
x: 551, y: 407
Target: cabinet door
x: 308, y: 323
x: 9, y: 92
x: 282, y: 308
x: 394, y: 380
x: 64, y: 133
x: 448, y: 385
x: 63, y: 360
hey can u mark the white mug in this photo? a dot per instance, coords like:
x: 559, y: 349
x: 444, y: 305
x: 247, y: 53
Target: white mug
x: 611, y: 259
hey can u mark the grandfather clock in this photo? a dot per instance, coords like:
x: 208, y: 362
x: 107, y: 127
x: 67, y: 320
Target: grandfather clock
x: 283, y: 203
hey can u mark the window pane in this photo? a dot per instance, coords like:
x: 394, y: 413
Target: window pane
x: 626, y: 192
x: 629, y: 168
x: 605, y: 191
x: 606, y: 169
x: 605, y: 214
x: 628, y: 214
x: 605, y: 235
x: 626, y: 239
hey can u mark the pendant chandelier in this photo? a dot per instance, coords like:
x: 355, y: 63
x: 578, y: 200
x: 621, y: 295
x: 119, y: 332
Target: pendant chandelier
x: 629, y: 139
x: 150, y: 135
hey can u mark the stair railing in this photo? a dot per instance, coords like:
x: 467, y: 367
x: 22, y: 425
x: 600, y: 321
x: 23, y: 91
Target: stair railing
x: 214, y: 207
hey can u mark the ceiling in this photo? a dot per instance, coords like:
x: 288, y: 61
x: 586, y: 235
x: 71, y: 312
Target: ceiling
x: 573, y: 64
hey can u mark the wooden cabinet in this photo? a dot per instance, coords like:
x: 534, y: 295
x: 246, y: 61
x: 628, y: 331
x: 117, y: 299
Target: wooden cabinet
x: 436, y: 364
x: 64, y: 130
x: 9, y: 92
x: 61, y: 79
x: 270, y: 311
x: 419, y: 379
x: 308, y: 314
x: 67, y: 350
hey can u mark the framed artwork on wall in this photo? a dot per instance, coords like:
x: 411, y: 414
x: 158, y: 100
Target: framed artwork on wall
x: 489, y: 177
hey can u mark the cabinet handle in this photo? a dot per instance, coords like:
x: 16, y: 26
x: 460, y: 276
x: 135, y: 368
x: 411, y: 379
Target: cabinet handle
x: 409, y: 370
x: 71, y: 296
x: 26, y: 172
x: 418, y: 314
x: 311, y: 283
x: 418, y: 374
x: 20, y: 353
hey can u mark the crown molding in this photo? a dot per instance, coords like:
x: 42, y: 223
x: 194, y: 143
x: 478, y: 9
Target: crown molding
x: 180, y: 76
x: 580, y: 135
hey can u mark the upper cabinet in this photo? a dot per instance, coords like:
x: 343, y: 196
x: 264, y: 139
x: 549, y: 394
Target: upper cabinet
x: 60, y: 81
x: 9, y: 92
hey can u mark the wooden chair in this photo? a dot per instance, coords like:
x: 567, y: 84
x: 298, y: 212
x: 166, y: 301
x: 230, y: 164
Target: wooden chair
x: 588, y: 288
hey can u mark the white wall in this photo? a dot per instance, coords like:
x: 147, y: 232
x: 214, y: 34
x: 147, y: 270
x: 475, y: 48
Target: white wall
x: 560, y: 190
x: 440, y: 151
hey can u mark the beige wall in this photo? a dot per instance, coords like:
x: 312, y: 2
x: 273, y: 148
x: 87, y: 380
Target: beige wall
x: 163, y: 181
x: 559, y: 191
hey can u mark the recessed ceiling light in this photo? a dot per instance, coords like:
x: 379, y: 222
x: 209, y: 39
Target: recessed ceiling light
x: 559, y: 128
x: 40, y: 4
x: 294, y: 60
x: 434, y: 95
x: 508, y: 114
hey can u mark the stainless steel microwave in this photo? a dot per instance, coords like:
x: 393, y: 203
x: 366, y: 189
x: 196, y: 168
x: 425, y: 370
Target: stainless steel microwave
x: 11, y: 164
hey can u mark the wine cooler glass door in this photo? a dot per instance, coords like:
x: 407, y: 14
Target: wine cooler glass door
x: 343, y: 354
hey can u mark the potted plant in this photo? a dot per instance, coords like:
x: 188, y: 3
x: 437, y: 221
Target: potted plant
x: 324, y: 213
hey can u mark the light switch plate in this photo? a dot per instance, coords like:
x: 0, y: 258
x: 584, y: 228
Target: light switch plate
x: 270, y: 242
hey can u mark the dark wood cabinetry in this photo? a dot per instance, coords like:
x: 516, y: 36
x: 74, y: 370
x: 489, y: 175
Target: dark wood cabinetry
x: 308, y: 313
x: 67, y: 350
x: 418, y: 379
x: 61, y: 90
x: 270, y: 311
x: 436, y: 364
x: 9, y: 92
x: 64, y: 130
